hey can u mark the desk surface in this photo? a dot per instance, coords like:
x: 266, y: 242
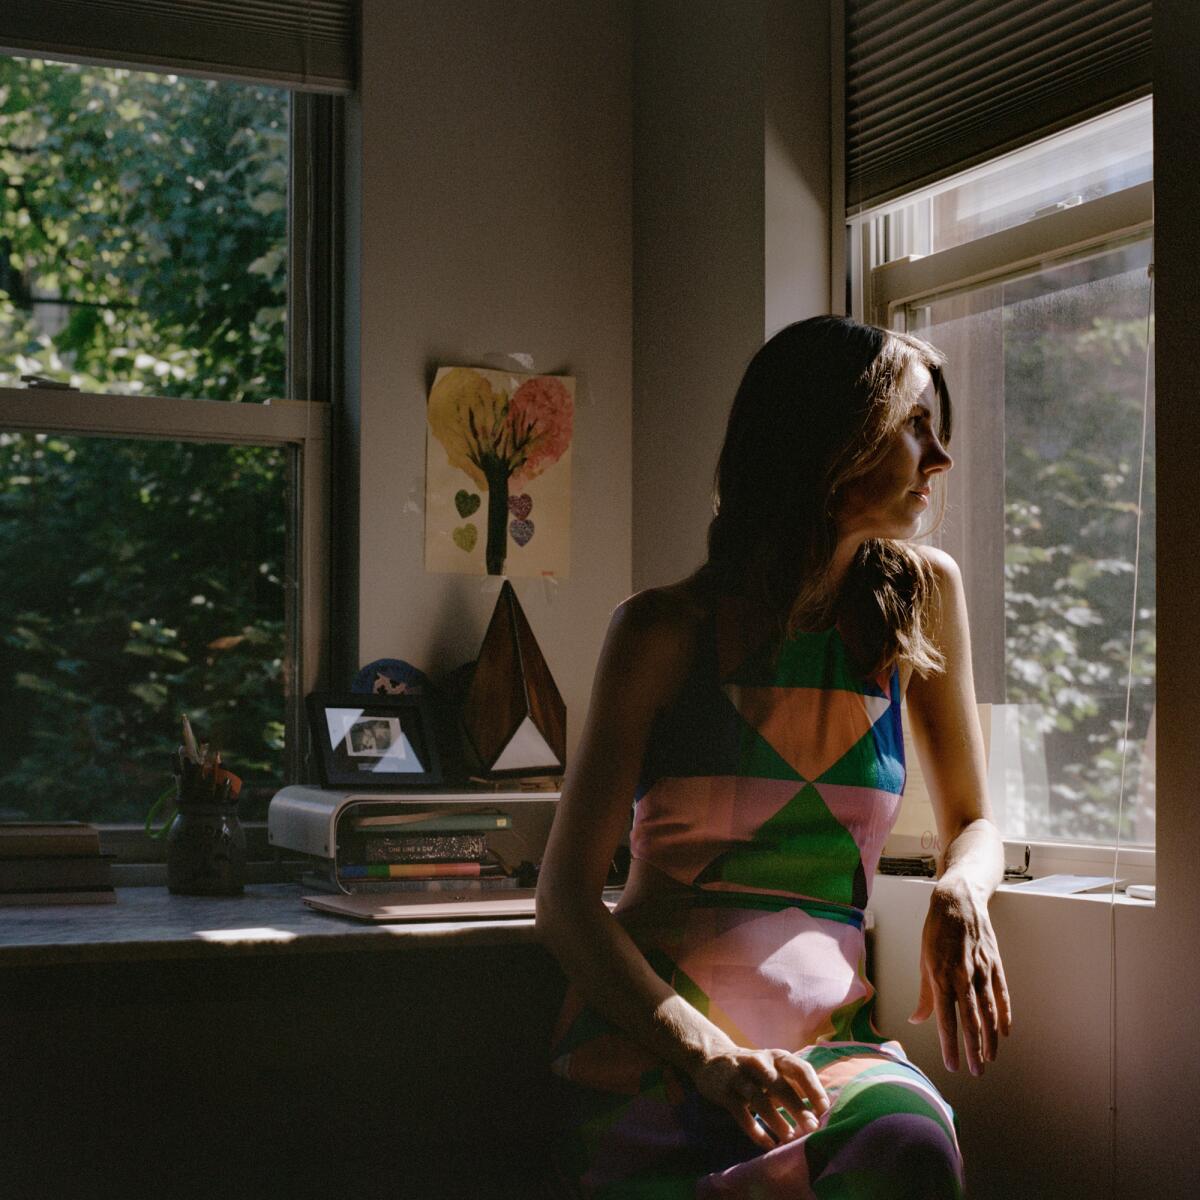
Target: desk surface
x: 148, y: 923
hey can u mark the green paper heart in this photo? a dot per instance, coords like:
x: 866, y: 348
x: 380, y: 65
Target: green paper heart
x: 465, y: 536
x: 466, y: 502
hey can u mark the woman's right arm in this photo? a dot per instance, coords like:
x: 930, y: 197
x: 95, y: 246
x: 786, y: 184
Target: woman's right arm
x: 642, y: 666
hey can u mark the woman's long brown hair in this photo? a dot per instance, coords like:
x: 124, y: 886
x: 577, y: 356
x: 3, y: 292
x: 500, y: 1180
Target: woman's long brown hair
x: 815, y: 410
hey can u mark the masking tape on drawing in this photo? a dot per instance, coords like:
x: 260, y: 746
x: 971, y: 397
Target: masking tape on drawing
x: 525, y: 362
x: 506, y: 360
x: 416, y: 494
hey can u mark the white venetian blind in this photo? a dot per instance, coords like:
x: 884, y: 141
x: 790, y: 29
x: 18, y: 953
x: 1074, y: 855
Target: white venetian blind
x: 306, y: 44
x: 934, y: 86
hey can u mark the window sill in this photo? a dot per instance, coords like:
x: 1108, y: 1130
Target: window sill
x: 1008, y: 893
x: 1135, y: 864
x: 148, y: 924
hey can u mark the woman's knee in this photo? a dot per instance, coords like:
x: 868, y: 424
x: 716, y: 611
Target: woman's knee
x: 893, y: 1156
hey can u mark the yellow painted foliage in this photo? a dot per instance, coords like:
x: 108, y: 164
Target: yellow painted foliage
x: 468, y: 418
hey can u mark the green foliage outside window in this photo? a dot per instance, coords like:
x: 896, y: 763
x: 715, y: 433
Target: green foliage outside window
x: 1074, y: 385
x: 143, y: 249
x: 156, y: 207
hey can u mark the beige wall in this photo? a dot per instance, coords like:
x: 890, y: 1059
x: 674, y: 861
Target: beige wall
x: 492, y: 147
x: 731, y: 236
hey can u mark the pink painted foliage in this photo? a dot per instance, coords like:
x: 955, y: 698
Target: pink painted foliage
x: 540, y: 417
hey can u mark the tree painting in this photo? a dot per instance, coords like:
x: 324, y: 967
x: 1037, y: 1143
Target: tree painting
x: 510, y: 436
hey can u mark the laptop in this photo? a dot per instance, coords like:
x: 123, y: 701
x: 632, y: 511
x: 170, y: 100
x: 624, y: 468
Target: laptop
x: 405, y: 907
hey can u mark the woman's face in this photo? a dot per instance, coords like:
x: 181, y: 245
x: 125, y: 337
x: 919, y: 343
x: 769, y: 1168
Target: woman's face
x: 887, y: 502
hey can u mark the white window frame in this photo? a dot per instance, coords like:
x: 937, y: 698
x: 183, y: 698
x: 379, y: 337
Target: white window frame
x: 880, y: 295
x: 884, y: 291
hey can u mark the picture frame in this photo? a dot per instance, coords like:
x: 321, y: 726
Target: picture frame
x: 373, y: 741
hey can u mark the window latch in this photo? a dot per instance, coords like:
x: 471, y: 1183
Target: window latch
x: 52, y: 385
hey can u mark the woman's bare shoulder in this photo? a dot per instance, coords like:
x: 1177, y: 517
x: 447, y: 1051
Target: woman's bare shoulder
x: 680, y: 605
x: 658, y: 627
x: 942, y: 564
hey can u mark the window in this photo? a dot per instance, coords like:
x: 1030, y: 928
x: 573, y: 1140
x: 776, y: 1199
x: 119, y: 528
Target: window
x: 162, y: 544
x: 1033, y: 273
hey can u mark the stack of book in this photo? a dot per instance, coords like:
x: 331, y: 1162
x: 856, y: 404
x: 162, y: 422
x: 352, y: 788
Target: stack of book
x: 417, y: 849
x: 53, y: 862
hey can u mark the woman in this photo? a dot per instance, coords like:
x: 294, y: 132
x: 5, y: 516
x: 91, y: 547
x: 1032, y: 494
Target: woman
x: 717, y: 1037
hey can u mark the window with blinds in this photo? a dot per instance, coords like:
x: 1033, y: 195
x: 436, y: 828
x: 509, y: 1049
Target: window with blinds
x: 936, y: 86
x: 306, y: 44
x: 1031, y: 272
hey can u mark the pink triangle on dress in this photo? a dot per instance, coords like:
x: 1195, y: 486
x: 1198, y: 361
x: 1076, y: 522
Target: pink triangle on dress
x: 868, y: 814
x: 683, y: 823
x: 809, y: 728
x: 765, y: 964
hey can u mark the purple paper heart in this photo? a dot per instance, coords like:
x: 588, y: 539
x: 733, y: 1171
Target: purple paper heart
x: 521, y: 506
x: 521, y: 531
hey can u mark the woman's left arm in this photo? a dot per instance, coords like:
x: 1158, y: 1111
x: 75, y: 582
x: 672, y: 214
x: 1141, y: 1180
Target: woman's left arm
x: 962, y: 977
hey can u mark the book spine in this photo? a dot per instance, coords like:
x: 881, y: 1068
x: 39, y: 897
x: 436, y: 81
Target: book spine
x: 68, y: 896
x: 81, y: 843
x: 417, y: 870
x: 384, y: 887
x: 37, y: 874
x: 389, y: 848
x: 433, y: 823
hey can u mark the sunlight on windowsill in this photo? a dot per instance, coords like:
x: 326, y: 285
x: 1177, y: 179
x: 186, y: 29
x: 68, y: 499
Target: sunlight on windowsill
x: 257, y: 934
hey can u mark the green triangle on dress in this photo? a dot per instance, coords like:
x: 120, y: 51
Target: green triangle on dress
x: 759, y: 759
x: 861, y: 766
x: 802, y: 849
x: 817, y: 660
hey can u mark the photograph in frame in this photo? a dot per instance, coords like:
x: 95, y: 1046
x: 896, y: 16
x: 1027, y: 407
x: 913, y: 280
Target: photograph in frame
x: 373, y: 741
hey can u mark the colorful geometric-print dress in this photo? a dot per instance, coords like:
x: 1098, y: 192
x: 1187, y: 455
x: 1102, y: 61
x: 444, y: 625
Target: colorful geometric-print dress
x: 768, y: 788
